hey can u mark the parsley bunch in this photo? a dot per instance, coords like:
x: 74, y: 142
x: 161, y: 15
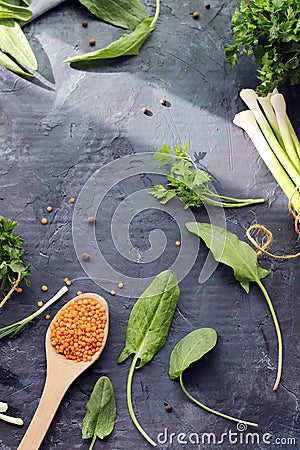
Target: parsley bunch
x: 269, y: 31
x: 12, y: 268
x: 190, y: 183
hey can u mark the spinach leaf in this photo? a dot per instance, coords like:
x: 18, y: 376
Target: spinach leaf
x: 13, y: 43
x: 8, y: 11
x: 100, y: 415
x: 122, y: 13
x: 227, y: 248
x: 148, y: 328
x: 127, y: 45
x: 190, y: 349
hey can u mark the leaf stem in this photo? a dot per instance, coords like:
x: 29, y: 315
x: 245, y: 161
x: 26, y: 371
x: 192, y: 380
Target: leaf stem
x: 93, y: 441
x: 129, y: 402
x: 13, y: 288
x: 157, y: 11
x: 252, y: 424
x: 278, y: 332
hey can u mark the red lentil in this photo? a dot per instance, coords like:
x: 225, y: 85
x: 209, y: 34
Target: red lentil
x: 76, y: 333
x: 178, y: 243
x: 44, y: 221
x: 49, y: 208
x: 44, y: 288
x: 19, y: 290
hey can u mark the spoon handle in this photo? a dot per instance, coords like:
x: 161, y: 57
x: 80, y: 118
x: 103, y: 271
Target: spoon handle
x: 52, y: 395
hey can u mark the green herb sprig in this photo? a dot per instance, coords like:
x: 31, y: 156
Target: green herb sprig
x: 190, y: 183
x: 268, y: 31
x: 12, y: 268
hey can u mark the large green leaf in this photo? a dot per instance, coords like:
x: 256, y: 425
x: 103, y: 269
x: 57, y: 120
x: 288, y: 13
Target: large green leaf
x: 127, y: 45
x: 7, y: 62
x: 150, y: 318
x: 190, y: 349
x: 14, y: 42
x: 228, y: 249
x: 122, y: 13
x: 100, y: 414
x: 8, y: 11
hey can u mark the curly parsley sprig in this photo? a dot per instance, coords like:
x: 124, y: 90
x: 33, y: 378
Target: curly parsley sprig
x: 12, y: 268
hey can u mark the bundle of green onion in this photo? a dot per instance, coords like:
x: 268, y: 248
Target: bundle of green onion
x: 268, y: 126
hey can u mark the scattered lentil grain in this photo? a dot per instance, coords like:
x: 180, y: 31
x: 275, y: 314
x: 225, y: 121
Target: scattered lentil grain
x: 196, y: 15
x: 72, y: 200
x: 85, y: 256
x: 144, y: 110
x: 112, y: 293
x: 44, y: 288
x: 91, y: 219
x: 49, y: 208
x: 85, y: 23
x: 68, y: 282
x: 79, y: 293
x: 40, y: 303
x: 207, y: 6
x: 92, y: 42
x: 47, y: 317
x: 44, y: 221
x: 120, y: 285
x: 162, y: 101
x: 19, y: 290
x: 178, y: 243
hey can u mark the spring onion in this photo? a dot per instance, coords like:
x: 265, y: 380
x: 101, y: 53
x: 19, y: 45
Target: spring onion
x: 14, y: 328
x: 268, y: 126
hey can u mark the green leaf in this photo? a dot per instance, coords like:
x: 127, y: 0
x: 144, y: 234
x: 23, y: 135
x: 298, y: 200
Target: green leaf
x: 150, y: 319
x: 127, y: 45
x: 122, y: 13
x: 7, y: 62
x: 14, y: 42
x: 8, y: 11
x: 100, y: 414
x: 190, y: 349
x: 228, y: 249
x: 164, y: 155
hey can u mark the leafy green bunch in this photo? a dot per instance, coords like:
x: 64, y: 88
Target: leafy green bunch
x: 12, y: 267
x: 269, y: 31
x: 15, y: 51
x: 189, y: 183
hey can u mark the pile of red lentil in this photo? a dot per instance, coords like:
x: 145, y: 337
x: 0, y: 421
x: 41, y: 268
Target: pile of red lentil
x: 78, y: 330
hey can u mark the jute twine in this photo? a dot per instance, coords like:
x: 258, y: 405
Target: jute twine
x: 267, y: 238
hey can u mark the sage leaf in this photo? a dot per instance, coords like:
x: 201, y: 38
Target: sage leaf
x: 8, y: 11
x: 14, y: 43
x: 100, y: 416
x: 190, y: 349
x: 127, y: 45
x: 121, y: 13
x: 150, y: 319
x: 148, y: 328
x: 227, y: 248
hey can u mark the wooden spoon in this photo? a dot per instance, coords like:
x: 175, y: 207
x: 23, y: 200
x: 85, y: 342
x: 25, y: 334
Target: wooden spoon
x: 61, y: 372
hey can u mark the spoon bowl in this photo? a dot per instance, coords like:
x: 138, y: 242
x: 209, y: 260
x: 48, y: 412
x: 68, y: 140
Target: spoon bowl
x: 61, y: 372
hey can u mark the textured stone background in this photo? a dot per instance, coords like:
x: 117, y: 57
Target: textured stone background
x: 55, y: 133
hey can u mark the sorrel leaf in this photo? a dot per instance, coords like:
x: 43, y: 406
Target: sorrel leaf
x: 14, y: 43
x: 100, y: 416
x: 148, y: 328
x: 236, y: 253
x: 8, y: 11
x: 190, y: 349
x: 121, y: 13
x: 227, y: 248
x: 150, y: 319
x: 127, y: 45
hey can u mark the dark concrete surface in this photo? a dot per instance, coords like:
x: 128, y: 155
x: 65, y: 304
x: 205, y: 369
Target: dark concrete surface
x: 55, y: 133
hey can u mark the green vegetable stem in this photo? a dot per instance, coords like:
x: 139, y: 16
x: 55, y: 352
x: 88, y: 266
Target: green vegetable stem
x: 190, y: 349
x: 99, y: 420
x: 148, y: 328
x: 228, y: 249
x: 190, y: 183
x: 12, y: 268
